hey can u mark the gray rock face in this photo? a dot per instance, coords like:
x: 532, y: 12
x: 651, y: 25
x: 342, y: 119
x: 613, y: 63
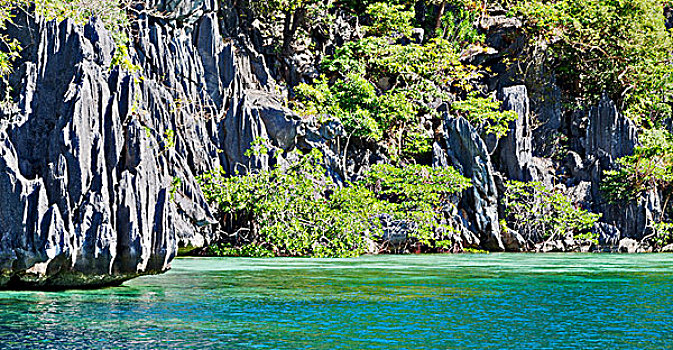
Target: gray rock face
x: 608, y: 235
x: 98, y: 165
x: 515, y: 150
x: 628, y: 245
x: 610, y: 136
x: 513, y: 240
x: 467, y: 152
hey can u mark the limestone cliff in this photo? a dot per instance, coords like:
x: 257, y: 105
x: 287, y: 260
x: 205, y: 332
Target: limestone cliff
x: 98, y: 163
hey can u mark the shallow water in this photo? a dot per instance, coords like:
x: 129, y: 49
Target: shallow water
x: 496, y: 301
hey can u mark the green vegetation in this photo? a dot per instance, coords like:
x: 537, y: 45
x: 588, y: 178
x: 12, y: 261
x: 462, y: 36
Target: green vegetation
x: 386, y: 86
x: 9, y: 47
x: 112, y: 13
x: 538, y: 213
x: 383, y: 88
x: 663, y: 234
x: 297, y: 210
x: 619, y: 47
x: 455, y: 22
x: 389, y: 19
x: 294, y: 16
x: 649, y: 169
x: 475, y: 251
x: 485, y: 114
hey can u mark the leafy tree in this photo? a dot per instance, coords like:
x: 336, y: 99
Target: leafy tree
x: 416, y: 193
x: 649, y: 168
x: 382, y: 88
x: 485, y: 114
x: 293, y: 14
x: 615, y: 46
x: 389, y: 20
x: 539, y: 213
x: 296, y: 210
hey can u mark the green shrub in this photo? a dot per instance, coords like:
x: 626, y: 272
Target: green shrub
x: 298, y: 211
x: 285, y: 211
x: 457, y: 23
x: 663, y: 234
x: 350, y: 101
x: 384, y: 91
x: 415, y: 193
x: 619, y: 47
x: 414, y: 186
x: 390, y: 118
x: 389, y: 20
x: 9, y: 47
x: 538, y: 213
x: 485, y: 115
x: 649, y: 168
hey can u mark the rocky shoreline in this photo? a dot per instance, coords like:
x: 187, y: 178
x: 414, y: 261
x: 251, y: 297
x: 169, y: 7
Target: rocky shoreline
x: 98, y: 164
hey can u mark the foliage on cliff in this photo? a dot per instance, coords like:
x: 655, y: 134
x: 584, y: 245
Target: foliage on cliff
x: 485, y: 114
x: 649, y: 168
x: 112, y: 13
x: 296, y: 209
x: 622, y: 48
x: 619, y: 47
x: 386, y: 86
x: 9, y: 47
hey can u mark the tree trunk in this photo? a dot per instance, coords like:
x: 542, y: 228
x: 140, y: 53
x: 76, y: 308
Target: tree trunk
x: 420, y: 9
x: 440, y: 14
x: 287, y: 32
x: 292, y: 21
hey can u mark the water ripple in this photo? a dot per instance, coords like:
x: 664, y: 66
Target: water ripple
x: 495, y: 301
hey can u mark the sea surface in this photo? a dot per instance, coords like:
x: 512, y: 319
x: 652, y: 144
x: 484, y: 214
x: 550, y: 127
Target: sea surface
x: 491, y: 301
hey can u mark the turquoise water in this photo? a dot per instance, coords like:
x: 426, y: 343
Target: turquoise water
x: 496, y: 301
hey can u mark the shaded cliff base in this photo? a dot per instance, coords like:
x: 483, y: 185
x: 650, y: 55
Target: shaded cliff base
x: 58, y: 283
x: 98, y: 164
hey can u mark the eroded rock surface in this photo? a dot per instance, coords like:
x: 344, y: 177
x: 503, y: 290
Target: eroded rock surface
x: 467, y: 152
x: 98, y: 165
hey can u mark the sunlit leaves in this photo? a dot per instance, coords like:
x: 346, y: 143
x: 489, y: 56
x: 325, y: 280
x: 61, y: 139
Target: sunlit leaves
x: 619, y: 47
x: 537, y: 213
x: 485, y: 114
x: 297, y: 210
x: 649, y: 168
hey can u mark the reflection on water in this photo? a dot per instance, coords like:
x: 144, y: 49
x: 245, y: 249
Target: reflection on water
x: 497, y: 301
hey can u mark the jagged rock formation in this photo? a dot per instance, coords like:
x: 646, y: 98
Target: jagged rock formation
x: 569, y: 150
x: 515, y: 150
x: 611, y: 136
x: 97, y: 166
x: 467, y: 153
